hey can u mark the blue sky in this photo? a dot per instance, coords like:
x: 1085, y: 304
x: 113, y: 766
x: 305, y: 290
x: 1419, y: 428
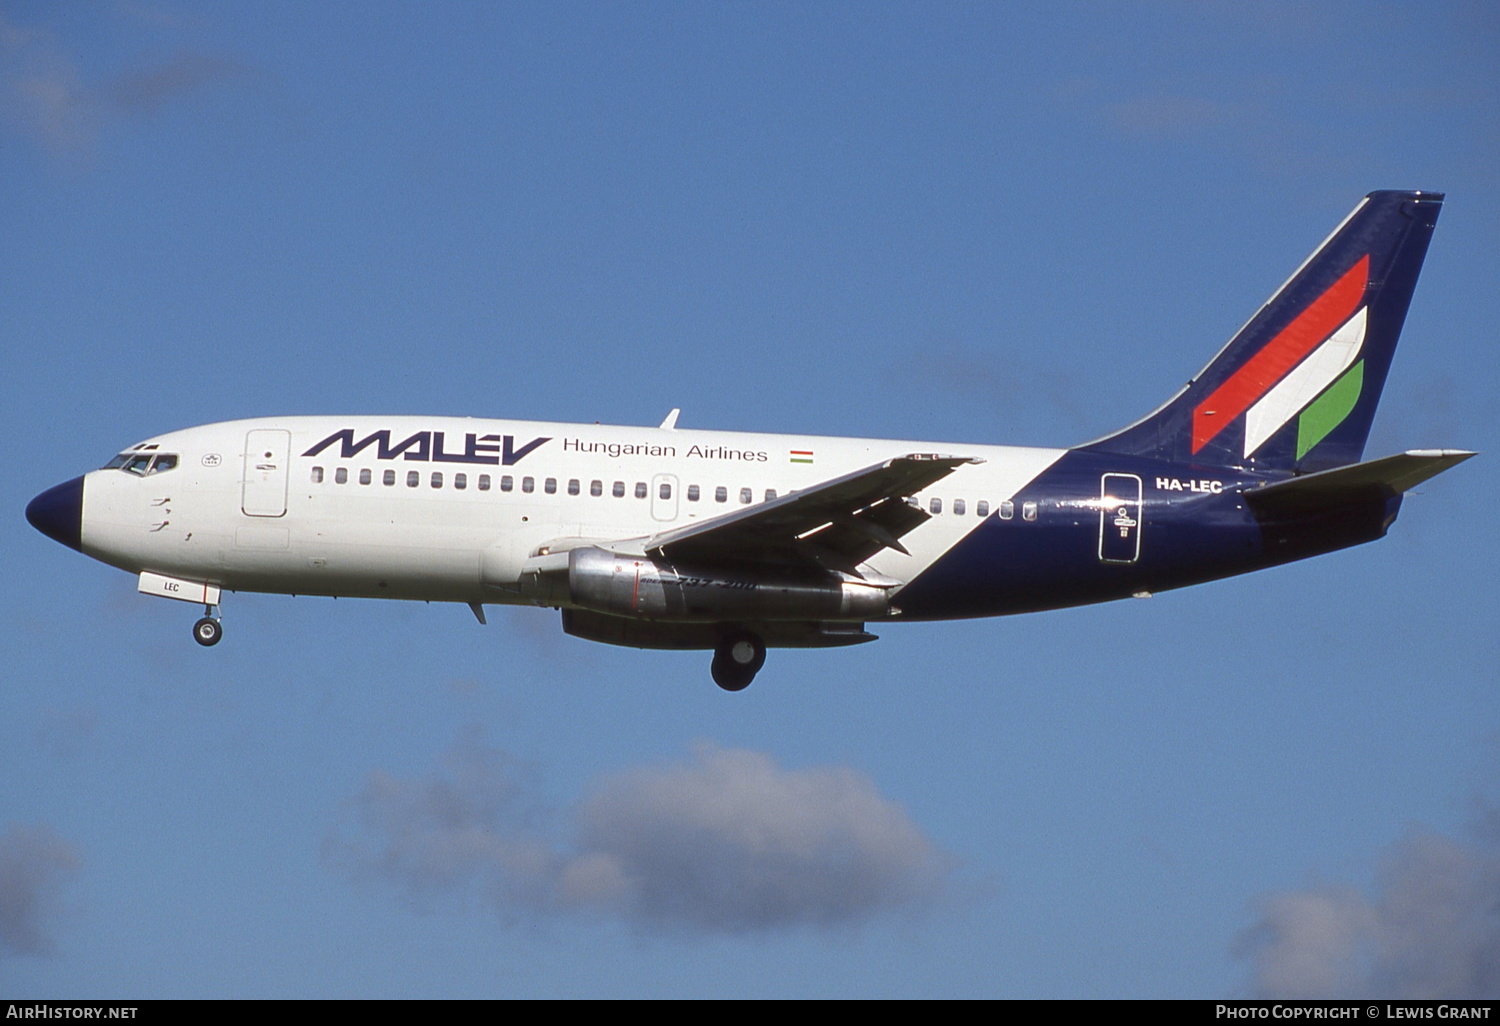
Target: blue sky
x: 1021, y: 223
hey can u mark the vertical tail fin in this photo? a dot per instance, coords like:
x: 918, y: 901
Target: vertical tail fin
x: 1296, y: 389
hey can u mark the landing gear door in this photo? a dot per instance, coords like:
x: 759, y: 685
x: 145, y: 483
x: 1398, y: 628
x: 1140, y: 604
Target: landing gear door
x: 1119, y: 518
x: 267, y: 454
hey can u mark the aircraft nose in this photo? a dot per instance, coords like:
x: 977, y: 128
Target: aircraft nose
x: 58, y: 513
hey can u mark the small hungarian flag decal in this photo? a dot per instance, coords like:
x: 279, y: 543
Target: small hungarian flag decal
x: 802, y: 456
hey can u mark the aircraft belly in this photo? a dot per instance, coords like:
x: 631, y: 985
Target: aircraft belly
x: 414, y: 569
x: 194, y: 555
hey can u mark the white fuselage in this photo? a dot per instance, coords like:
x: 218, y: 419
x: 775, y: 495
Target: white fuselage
x: 450, y: 509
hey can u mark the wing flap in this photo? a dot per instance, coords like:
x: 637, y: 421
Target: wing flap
x: 836, y: 525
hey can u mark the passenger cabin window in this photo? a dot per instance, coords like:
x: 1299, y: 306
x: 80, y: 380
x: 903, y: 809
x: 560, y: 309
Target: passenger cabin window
x: 341, y: 475
x: 935, y: 506
x: 959, y: 507
x: 528, y: 485
x: 573, y: 486
x: 388, y: 478
x: 550, y: 486
x: 983, y: 509
x: 1007, y: 510
x: 364, y: 475
x: 721, y: 494
x: 506, y: 482
x: 596, y: 488
x: 460, y: 481
x: 413, y: 478
x: 692, y: 493
x: 618, y: 490
x: 665, y: 491
x: 746, y: 496
x: 317, y: 475
x: 770, y: 494
x: 484, y: 482
x: 437, y: 479
x: 640, y: 489
x: 1028, y: 511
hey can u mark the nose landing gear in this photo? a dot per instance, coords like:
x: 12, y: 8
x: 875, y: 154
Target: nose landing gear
x: 208, y: 630
x: 737, y: 660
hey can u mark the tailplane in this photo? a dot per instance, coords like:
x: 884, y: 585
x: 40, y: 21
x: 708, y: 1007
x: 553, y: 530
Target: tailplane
x: 1295, y: 390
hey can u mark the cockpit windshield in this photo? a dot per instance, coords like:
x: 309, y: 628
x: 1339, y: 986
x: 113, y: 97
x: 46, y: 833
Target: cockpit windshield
x: 143, y: 464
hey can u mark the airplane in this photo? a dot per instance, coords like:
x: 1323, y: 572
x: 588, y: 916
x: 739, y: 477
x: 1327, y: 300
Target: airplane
x: 670, y: 538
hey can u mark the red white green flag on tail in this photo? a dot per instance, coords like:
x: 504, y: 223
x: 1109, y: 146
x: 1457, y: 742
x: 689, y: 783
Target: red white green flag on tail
x: 1309, y: 369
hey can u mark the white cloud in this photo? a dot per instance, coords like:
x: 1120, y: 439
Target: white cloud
x: 1431, y: 929
x: 725, y: 842
x: 732, y: 842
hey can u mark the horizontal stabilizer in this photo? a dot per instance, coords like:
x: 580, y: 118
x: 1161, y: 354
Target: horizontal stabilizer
x: 1330, y: 488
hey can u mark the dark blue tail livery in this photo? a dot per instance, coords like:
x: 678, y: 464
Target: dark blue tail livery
x: 1296, y: 389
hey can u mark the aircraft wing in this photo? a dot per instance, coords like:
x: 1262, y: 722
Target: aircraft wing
x: 837, y: 524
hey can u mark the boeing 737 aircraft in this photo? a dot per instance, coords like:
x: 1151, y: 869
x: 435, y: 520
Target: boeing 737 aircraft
x: 685, y: 539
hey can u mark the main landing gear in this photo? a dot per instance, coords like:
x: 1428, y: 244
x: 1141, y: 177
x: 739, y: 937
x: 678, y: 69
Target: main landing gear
x: 208, y: 630
x: 738, y: 659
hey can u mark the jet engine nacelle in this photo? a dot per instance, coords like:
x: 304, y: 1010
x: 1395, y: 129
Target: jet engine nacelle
x: 639, y: 586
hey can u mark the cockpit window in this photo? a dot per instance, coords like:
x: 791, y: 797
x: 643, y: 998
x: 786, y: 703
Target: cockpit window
x: 143, y: 463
